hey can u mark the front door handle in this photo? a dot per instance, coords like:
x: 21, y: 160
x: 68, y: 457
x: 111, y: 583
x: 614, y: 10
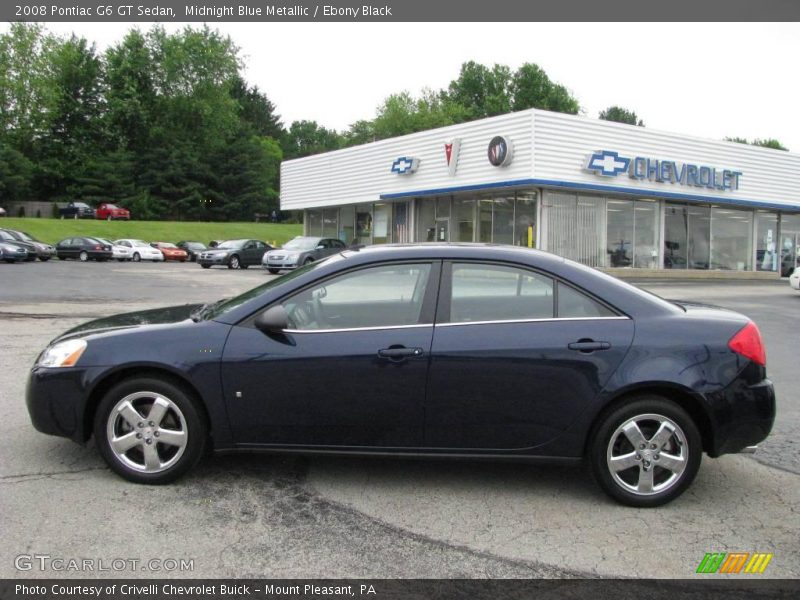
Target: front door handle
x: 399, y: 353
x: 588, y: 346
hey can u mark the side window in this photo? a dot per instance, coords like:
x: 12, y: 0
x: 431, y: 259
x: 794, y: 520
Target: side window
x: 338, y: 244
x: 384, y: 296
x: 572, y: 303
x: 499, y: 293
x: 325, y: 243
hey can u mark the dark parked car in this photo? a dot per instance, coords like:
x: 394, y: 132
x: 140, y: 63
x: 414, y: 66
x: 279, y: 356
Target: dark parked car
x: 301, y: 251
x: 12, y: 253
x: 42, y: 251
x: 84, y: 248
x: 7, y: 238
x: 438, y: 350
x: 193, y: 249
x: 235, y: 254
x: 76, y: 210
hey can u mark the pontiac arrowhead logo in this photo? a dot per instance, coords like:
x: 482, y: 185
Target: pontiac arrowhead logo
x: 405, y: 165
x: 451, y: 151
x: 607, y: 163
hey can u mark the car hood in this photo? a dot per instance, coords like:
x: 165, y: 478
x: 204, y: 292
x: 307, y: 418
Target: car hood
x: 155, y: 316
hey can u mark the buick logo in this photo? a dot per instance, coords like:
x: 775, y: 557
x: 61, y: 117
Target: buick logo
x: 501, y: 151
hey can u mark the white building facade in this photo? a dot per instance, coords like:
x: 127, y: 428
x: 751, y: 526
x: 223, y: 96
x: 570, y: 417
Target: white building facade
x: 602, y: 193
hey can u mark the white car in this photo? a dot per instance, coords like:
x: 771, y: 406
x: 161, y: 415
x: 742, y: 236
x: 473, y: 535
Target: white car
x: 794, y: 279
x: 141, y: 250
x: 121, y: 253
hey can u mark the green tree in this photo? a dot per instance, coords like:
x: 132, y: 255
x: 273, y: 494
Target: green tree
x: 307, y: 137
x: 532, y: 88
x: 481, y: 91
x: 765, y: 143
x: 620, y: 115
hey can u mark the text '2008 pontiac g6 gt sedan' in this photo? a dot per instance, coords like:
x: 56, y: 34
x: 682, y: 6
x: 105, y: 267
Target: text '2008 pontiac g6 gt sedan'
x: 429, y: 350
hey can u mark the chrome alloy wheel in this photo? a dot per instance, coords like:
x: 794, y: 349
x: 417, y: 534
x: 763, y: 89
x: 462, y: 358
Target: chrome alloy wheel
x: 147, y: 432
x: 647, y: 454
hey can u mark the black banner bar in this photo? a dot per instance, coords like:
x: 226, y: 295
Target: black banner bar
x: 702, y: 588
x: 211, y: 11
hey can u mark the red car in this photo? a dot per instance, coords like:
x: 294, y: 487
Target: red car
x: 110, y: 212
x: 171, y: 251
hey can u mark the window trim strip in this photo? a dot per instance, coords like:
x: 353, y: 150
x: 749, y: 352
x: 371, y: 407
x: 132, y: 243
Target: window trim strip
x: 545, y: 320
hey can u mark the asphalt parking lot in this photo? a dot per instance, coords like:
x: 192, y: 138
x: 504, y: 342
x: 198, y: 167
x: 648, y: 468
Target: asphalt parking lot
x: 264, y: 516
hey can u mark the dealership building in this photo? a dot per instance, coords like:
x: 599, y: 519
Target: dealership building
x: 605, y: 194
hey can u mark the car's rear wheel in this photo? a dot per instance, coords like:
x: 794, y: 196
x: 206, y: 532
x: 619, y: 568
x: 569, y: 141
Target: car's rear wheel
x: 206, y: 266
x: 137, y: 257
x: 233, y: 262
x: 149, y: 430
x: 44, y: 258
x: 83, y: 256
x: 645, y: 452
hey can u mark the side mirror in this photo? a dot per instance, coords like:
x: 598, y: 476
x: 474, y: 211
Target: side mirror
x: 272, y: 320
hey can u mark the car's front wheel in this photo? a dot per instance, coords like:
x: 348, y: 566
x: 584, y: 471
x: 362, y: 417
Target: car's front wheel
x: 233, y: 262
x: 274, y: 271
x: 149, y: 430
x: 645, y: 452
x: 137, y: 257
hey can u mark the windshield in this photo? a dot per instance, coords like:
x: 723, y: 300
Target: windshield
x: 111, y: 206
x: 140, y: 243
x: 219, y: 308
x: 301, y: 243
x: 195, y: 246
x: 231, y: 244
x: 104, y: 241
x: 166, y: 245
x: 25, y: 236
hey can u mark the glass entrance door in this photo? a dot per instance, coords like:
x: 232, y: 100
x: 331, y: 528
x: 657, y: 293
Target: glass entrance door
x: 442, y: 230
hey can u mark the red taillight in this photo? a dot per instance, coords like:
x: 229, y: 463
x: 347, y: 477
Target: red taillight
x: 747, y: 342
x: 98, y: 247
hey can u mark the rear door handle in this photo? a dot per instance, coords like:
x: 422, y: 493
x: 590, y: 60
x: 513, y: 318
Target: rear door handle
x: 399, y: 353
x: 588, y: 346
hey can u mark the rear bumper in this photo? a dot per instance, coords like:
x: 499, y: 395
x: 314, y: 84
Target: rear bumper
x: 744, y: 414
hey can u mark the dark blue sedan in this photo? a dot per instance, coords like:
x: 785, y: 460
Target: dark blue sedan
x: 432, y: 350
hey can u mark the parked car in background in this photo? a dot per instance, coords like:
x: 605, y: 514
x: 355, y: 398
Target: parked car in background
x: 141, y: 250
x: 193, y: 249
x: 300, y: 251
x: 76, y: 210
x: 29, y: 248
x: 83, y: 249
x: 3, y: 212
x: 470, y: 351
x: 111, y: 212
x: 12, y: 253
x: 235, y: 254
x: 214, y: 243
x: 120, y: 253
x: 794, y: 279
x: 44, y: 252
x: 171, y: 251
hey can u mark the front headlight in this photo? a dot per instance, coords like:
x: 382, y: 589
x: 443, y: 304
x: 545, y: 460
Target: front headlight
x: 292, y: 255
x: 63, y: 354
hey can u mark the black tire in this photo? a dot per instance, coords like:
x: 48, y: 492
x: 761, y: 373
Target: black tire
x: 44, y: 258
x: 109, y: 219
x: 684, y: 441
x: 182, y: 403
x: 83, y: 256
x: 243, y: 266
x: 274, y: 271
x: 137, y: 257
x: 120, y: 260
x: 308, y: 260
x: 206, y: 266
x: 234, y: 262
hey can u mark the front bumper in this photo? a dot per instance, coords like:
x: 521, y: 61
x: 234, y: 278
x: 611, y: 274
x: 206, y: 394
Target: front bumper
x: 56, y: 401
x: 216, y: 259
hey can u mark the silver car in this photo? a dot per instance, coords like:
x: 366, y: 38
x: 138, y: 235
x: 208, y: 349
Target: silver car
x: 300, y: 251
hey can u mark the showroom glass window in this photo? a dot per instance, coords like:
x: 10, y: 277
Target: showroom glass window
x: 382, y: 296
x: 314, y: 222
x: 347, y: 224
x: 381, y: 224
x: 731, y: 239
x: 525, y: 219
x: 676, y: 218
x: 364, y: 224
x: 576, y: 226
x: 790, y: 243
x: 463, y: 220
x: 619, y: 237
x: 767, y: 255
x: 330, y: 225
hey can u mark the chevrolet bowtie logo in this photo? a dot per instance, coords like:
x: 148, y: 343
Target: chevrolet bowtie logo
x: 405, y: 165
x: 608, y: 163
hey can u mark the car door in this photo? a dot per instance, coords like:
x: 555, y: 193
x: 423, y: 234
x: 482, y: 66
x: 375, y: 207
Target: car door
x: 516, y: 357
x: 71, y: 248
x: 349, y: 372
